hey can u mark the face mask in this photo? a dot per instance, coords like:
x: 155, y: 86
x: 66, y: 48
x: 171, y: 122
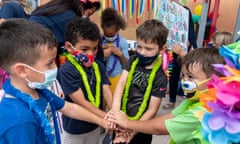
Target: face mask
x: 84, y: 16
x: 145, y: 61
x: 191, y: 86
x: 49, y: 77
x: 111, y: 39
x: 86, y: 60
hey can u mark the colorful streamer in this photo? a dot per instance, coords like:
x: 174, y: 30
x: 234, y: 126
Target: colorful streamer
x: 141, y: 8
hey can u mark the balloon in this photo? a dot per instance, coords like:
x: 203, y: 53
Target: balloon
x: 195, y: 18
x: 198, y: 10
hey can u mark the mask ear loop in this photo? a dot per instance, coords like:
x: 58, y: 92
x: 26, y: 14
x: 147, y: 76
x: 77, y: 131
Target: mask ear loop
x: 202, y: 82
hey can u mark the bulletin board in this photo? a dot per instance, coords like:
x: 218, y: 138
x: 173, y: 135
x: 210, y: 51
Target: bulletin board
x: 176, y: 19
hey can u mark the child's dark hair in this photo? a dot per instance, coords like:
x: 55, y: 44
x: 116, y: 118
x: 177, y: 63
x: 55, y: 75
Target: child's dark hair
x: 110, y: 17
x: 205, y: 57
x: 88, y: 5
x: 22, y: 41
x: 54, y: 7
x: 152, y: 31
x: 81, y: 28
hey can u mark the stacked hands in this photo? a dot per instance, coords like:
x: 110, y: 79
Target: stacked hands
x: 117, y: 121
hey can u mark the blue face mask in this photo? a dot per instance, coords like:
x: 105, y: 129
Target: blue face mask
x: 145, y: 61
x: 49, y: 77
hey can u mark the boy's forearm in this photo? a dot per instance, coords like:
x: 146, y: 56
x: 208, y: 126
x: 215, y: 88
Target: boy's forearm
x: 90, y: 107
x: 154, y: 126
x: 108, y: 95
x: 117, y: 96
x: 152, y: 108
x: 76, y: 111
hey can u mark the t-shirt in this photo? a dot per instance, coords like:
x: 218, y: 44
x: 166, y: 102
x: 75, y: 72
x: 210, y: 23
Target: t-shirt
x: 182, y: 128
x: 12, y: 9
x: 19, y: 125
x: 140, y: 83
x: 115, y: 68
x: 71, y: 80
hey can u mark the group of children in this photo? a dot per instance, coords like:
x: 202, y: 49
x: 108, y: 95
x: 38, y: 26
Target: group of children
x: 28, y: 52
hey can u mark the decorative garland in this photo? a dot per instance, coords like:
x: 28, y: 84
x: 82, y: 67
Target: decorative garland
x: 221, y: 124
x: 95, y: 101
x: 44, y: 122
x: 146, y: 96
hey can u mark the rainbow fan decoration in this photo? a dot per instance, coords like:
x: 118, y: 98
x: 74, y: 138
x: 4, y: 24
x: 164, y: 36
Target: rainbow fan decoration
x: 129, y: 8
x: 221, y: 125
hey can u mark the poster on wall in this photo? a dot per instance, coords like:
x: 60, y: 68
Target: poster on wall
x: 175, y: 17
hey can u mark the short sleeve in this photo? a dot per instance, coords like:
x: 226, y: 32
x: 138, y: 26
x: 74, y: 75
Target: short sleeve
x: 69, y: 78
x: 7, y: 11
x: 159, y: 86
x: 186, y: 122
x: 58, y: 102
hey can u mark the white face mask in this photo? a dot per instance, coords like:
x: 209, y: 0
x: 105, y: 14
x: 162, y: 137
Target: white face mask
x: 111, y: 39
x: 191, y: 86
x: 49, y: 77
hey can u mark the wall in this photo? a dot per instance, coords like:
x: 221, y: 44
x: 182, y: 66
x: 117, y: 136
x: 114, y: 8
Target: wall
x: 226, y: 20
x: 227, y: 13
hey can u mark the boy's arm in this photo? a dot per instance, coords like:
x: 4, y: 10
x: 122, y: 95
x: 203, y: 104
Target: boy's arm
x: 154, y: 126
x: 151, y: 111
x: 152, y: 108
x: 107, y: 95
x: 78, y: 112
x: 117, y: 96
x: 78, y: 98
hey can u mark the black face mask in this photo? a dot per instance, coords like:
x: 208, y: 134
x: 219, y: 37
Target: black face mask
x: 145, y: 61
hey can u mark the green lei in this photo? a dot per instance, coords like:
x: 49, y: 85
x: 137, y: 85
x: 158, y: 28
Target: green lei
x: 146, y: 96
x: 95, y: 101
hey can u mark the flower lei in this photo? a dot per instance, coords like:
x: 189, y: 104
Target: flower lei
x: 146, y: 96
x: 222, y: 123
x: 44, y: 122
x: 95, y: 101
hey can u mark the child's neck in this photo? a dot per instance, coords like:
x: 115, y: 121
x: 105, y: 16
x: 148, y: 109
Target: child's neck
x: 22, y: 86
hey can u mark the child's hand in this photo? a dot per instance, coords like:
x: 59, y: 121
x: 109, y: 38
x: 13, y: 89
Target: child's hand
x: 111, y: 124
x: 105, y: 124
x: 120, y: 139
x: 107, y: 51
x: 116, y: 51
x: 177, y: 48
x: 119, y: 118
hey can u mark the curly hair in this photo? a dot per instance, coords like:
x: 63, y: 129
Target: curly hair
x: 111, y: 17
x: 81, y: 28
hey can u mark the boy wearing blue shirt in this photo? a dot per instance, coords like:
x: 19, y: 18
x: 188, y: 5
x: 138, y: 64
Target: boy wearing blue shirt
x: 28, y: 109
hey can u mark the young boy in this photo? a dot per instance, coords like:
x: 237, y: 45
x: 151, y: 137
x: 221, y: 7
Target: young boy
x: 143, y: 83
x: 182, y: 123
x: 28, y: 109
x: 83, y: 80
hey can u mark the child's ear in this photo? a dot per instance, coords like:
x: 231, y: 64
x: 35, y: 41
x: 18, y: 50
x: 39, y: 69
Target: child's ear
x: 69, y: 47
x: 164, y: 48
x: 20, y: 70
